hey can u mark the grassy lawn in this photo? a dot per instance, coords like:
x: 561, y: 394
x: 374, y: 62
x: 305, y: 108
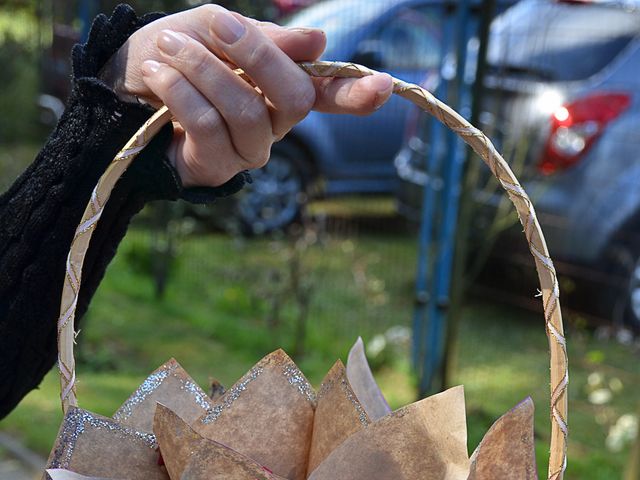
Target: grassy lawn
x: 219, y: 316
x: 13, y: 160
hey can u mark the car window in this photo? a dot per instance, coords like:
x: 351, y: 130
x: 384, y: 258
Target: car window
x: 338, y: 17
x: 560, y: 41
x: 410, y: 40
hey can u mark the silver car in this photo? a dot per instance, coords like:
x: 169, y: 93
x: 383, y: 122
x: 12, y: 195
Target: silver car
x: 563, y: 105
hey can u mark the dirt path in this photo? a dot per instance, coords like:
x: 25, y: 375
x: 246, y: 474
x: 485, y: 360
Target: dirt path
x: 18, y: 462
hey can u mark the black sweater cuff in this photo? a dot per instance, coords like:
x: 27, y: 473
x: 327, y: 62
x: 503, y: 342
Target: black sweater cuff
x: 151, y: 175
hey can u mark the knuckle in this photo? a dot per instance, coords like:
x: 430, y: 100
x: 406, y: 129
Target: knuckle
x: 198, y: 62
x: 254, y: 154
x: 259, y: 160
x: 168, y: 81
x: 280, y: 135
x: 263, y: 54
x: 192, y: 60
x: 208, y: 8
x: 262, y: 161
x: 251, y: 112
x: 206, y: 122
x: 302, y: 101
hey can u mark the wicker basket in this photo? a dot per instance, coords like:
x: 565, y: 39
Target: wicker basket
x: 426, y: 101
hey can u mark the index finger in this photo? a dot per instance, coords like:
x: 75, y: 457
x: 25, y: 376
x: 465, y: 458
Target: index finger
x: 300, y: 44
x: 289, y: 90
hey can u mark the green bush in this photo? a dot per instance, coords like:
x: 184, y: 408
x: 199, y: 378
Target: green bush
x: 19, y: 93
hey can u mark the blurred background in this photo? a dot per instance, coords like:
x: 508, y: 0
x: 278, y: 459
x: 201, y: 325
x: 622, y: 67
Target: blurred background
x: 384, y: 227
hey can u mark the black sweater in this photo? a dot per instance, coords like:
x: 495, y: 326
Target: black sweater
x: 39, y: 213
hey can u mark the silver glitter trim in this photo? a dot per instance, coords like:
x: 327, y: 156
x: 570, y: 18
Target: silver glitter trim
x: 324, y: 388
x: 351, y: 396
x: 151, y: 383
x: 232, y: 395
x: 297, y: 380
x: 74, y: 424
x: 201, y: 398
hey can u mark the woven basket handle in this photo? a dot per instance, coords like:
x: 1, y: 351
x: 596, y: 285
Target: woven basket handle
x: 426, y: 101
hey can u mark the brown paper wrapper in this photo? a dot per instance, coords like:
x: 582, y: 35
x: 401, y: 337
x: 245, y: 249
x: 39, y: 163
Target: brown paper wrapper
x: 267, y: 415
x: 60, y: 474
x: 189, y: 456
x: 363, y: 384
x: 507, y: 449
x: 338, y: 415
x: 170, y: 385
x: 426, y: 440
x: 96, y: 446
x: 270, y: 425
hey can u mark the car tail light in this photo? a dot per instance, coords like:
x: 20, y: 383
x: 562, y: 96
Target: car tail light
x: 576, y: 126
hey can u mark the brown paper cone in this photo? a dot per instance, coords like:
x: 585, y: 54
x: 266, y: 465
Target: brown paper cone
x: 188, y: 456
x: 507, y: 449
x: 267, y: 415
x: 426, y: 440
x: 170, y: 385
x: 97, y: 446
x: 338, y: 415
x: 60, y: 474
x: 270, y: 425
x: 363, y: 383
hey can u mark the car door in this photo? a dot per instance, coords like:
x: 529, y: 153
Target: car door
x: 406, y: 43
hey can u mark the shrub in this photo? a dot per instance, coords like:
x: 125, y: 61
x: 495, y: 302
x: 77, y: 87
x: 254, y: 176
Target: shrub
x: 19, y: 79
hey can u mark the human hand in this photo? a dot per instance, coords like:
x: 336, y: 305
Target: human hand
x: 223, y: 124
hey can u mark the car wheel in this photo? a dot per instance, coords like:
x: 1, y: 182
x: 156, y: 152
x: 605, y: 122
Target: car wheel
x: 621, y: 294
x: 277, y: 194
x: 632, y: 310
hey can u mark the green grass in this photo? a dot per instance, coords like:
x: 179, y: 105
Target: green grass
x: 13, y: 160
x: 213, y: 319
x: 502, y: 358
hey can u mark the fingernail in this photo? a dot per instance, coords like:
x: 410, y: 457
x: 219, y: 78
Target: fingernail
x: 171, y: 42
x: 150, y: 67
x: 305, y: 31
x: 381, y: 82
x: 227, y: 27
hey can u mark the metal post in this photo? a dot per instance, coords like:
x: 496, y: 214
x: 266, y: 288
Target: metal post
x: 470, y: 181
x: 437, y: 308
x: 431, y: 162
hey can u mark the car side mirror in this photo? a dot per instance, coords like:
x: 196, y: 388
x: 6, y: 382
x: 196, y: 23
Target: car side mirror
x: 369, y: 54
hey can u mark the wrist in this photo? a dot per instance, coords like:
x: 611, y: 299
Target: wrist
x: 113, y: 74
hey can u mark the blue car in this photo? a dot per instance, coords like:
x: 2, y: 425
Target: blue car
x: 348, y: 154
x: 562, y: 103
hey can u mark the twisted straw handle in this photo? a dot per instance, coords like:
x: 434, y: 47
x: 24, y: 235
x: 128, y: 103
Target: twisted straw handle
x: 423, y: 99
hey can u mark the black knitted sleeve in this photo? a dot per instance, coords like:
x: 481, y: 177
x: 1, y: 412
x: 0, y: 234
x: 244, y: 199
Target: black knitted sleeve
x: 39, y: 213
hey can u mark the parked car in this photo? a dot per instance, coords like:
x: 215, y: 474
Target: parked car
x: 564, y: 90
x: 286, y: 7
x: 347, y: 154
